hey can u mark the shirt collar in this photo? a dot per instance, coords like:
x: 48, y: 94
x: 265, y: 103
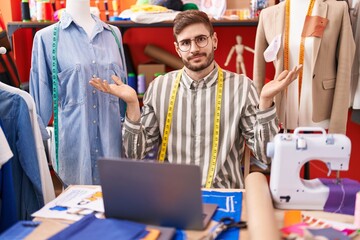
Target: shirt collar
x: 66, y: 21
x: 208, y: 80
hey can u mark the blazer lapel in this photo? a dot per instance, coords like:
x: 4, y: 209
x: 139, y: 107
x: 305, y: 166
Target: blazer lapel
x: 321, y: 11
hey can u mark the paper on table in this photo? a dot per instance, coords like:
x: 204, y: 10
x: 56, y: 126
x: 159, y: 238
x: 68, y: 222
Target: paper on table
x: 83, y: 198
x: 67, y: 206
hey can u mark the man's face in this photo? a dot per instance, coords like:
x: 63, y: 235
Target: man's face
x: 199, y: 44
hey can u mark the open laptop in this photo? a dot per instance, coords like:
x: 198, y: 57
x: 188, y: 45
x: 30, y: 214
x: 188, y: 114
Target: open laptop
x: 154, y: 193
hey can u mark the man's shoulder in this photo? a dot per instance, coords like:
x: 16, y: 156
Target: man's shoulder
x: 232, y: 76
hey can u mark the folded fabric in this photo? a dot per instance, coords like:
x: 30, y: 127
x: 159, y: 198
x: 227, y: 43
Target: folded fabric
x: 147, y: 17
x: 90, y: 227
x: 342, y: 195
x: 19, y: 230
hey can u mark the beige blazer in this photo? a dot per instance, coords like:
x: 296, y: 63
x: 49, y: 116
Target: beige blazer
x: 331, y: 65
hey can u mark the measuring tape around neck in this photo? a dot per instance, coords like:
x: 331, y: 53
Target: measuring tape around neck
x: 54, y: 77
x: 216, y: 129
x: 286, y: 54
x: 302, y: 50
x: 302, y: 43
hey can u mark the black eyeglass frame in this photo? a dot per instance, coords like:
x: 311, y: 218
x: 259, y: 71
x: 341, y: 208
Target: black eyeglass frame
x: 195, y: 39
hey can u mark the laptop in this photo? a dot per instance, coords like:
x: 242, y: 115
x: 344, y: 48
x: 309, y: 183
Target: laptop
x: 162, y: 194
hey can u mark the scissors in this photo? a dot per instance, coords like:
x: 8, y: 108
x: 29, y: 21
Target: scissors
x: 223, y: 225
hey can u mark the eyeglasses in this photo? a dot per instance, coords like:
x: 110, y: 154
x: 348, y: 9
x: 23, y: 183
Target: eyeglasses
x: 200, y: 41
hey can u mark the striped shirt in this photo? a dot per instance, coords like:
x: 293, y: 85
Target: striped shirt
x: 191, y: 134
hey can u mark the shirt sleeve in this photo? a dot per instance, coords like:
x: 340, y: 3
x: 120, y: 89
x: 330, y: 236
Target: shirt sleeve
x: 141, y: 137
x: 258, y: 126
x: 40, y: 81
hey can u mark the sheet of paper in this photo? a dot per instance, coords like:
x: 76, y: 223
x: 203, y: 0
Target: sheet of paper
x: 73, y: 204
x: 83, y: 198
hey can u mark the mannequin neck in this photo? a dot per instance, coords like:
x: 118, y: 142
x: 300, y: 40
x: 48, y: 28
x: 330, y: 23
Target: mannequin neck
x: 79, y: 10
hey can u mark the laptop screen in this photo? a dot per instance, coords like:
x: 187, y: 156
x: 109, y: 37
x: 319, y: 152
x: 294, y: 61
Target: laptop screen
x: 151, y: 192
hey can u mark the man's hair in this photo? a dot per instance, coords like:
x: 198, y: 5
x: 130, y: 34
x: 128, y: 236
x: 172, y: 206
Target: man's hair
x: 189, y: 17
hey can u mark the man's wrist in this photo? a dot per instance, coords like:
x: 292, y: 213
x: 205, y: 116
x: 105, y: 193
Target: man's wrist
x: 133, y: 111
x: 265, y: 103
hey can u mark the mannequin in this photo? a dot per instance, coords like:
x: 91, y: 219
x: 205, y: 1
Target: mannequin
x: 355, y: 83
x: 239, y: 49
x: 79, y: 10
x: 321, y: 97
x: 89, y: 121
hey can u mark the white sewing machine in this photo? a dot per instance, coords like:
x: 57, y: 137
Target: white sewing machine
x: 289, y: 152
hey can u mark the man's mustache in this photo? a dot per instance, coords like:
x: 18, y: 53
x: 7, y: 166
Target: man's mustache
x: 197, y: 55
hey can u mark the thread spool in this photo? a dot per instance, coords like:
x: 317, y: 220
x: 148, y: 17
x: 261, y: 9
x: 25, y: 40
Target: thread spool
x: 357, y: 211
x: 132, y: 81
x: 25, y: 11
x: 157, y: 74
x: 141, y: 84
x: 47, y: 11
x: 39, y: 11
x: 115, y: 7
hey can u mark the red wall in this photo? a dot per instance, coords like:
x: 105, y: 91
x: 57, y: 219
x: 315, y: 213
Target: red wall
x: 162, y: 37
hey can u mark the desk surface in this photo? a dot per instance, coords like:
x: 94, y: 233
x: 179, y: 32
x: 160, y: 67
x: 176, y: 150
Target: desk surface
x: 51, y: 226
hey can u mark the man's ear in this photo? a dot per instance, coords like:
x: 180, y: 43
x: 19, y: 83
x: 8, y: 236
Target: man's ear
x: 215, y: 40
x: 177, y: 49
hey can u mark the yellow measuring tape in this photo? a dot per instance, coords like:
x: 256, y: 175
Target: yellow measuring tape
x: 168, y: 120
x: 215, y: 143
x: 302, y: 43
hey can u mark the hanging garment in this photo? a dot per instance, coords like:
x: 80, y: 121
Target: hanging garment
x: 46, y: 181
x: 15, y: 119
x: 89, y: 120
x: 331, y: 61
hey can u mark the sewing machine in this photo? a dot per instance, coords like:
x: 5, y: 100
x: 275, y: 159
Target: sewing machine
x: 289, y: 152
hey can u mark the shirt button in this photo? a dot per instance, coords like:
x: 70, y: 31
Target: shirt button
x: 95, y: 178
x: 95, y: 165
x: 94, y: 91
x: 94, y: 121
x: 94, y: 106
x: 96, y: 150
x: 94, y: 75
x: 93, y: 61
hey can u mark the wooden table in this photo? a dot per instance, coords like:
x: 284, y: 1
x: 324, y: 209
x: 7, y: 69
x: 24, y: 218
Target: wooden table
x: 52, y: 226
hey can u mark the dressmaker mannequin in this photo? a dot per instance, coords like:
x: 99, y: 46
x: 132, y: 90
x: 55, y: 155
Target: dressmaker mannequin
x: 355, y: 85
x: 79, y: 10
x: 328, y: 57
x: 89, y: 121
x: 300, y: 115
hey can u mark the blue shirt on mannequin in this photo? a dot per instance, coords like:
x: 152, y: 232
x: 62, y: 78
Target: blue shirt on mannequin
x: 89, y: 120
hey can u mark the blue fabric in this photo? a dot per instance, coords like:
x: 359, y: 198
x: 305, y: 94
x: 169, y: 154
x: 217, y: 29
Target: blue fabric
x: 90, y: 227
x: 229, y: 205
x: 8, y: 214
x: 19, y: 230
x: 89, y: 120
x: 14, y: 115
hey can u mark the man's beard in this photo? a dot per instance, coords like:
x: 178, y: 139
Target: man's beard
x: 198, y: 68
